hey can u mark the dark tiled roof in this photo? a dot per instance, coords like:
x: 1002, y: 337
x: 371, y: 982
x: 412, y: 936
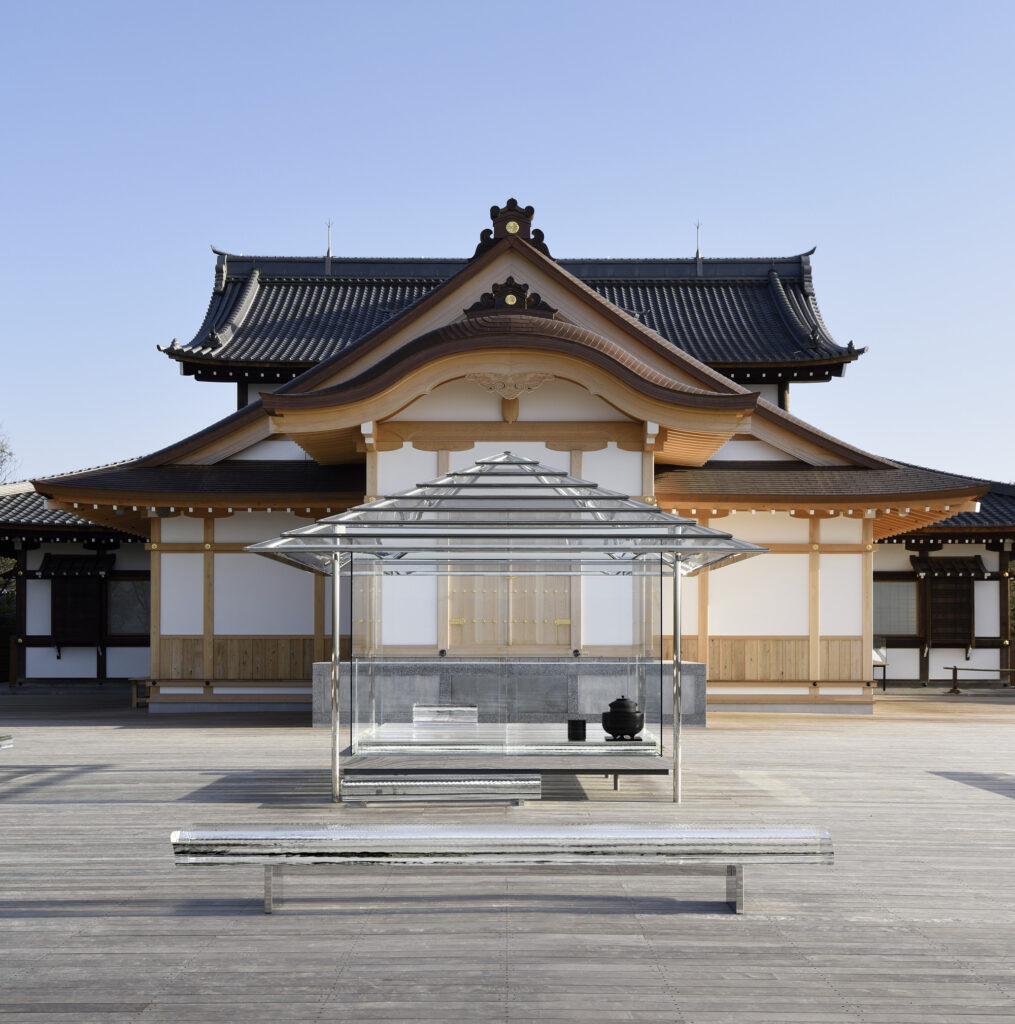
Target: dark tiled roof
x: 293, y: 313
x: 226, y: 478
x: 793, y: 481
x: 962, y: 567
x: 997, y: 511
x: 26, y: 508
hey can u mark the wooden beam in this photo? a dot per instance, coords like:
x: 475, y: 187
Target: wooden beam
x: 155, y: 598
x: 320, y: 628
x: 703, y: 615
x: 208, y: 639
x: 867, y: 653
x: 814, y: 601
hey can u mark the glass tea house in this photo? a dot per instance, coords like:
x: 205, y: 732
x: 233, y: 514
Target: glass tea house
x: 497, y: 607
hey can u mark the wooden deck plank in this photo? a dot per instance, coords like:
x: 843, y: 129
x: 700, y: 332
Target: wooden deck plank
x: 912, y: 924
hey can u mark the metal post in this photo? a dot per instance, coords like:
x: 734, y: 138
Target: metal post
x: 676, y: 679
x: 336, y: 631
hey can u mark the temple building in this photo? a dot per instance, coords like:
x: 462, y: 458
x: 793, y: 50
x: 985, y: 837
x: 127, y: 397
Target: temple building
x: 662, y: 380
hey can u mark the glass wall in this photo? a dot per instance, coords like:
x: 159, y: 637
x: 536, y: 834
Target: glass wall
x: 506, y: 655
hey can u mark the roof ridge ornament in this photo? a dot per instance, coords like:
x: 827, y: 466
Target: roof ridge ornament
x: 511, y: 220
x: 510, y: 297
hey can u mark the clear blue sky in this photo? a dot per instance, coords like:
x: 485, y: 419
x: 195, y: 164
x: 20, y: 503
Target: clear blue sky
x: 136, y: 134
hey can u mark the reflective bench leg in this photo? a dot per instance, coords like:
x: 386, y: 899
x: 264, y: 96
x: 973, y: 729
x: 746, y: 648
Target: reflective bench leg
x: 272, y: 887
x: 735, y: 887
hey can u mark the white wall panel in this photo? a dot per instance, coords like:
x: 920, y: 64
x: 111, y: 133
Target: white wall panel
x: 182, y: 530
x: 272, y: 451
x: 763, y: 527
x: 749, y: 451
x: 409, y: 610
x: 73, y: 663
x: 840, y: 595
x: 251, y: 526
x: 127, y: 662
x: 562, y: 401
x: 607, y: 611
x: 769, y: 392
x: 456, y: 400
x: 404, y: 468
x: 132, y: 558
x: 33, y: 559
x: 903, y: 663
x: 182, y: 598
x: 942, y: 656
x: 527, y: 449
x: 762, y: 596
x: 257, y: 596
x: 613, y: 468
x: 841, y: 530
x: 38, y: 598
x: 688, y: 606
x: 987, y: 607
x: 892, y: 558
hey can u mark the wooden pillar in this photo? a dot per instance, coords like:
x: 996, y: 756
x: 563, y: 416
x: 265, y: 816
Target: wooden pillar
x: 1004, y: 584
x: 702, y: 629
x: 208, y: 635
x: 319, y: 624
x: 867, y: 641
x: 814, y: 600
x: 155, y: 600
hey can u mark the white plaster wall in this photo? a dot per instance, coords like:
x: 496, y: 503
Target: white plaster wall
x: 257, y: 596
x: 841, y: 530
x: 762, y: 596
x: 527, y: 449
x: 840, y: 595
x: 409, y: 610
x: 903, y: 663
x: 346, y: 611
x: 769, y: 392
x: 182, y: 597
x: 688, y: 606
x: 38, y: 610
x: 74, y: 662
x: 763, y: 528
x: 456, y: 400
x: 399, y: 470
x: 254, y: 391
x: 33, y: 559
x: 562, y: 401
x: 892, y: 558
x: 614, y: 469
x: 252, y: 526
x: 607, y: 611
x: 127, y: 662
x: 942, y: 656
x: 273, y: 450
x: 182, y: 530
x: 132, y: 558
x: 748, y: 451
x: 987, y: 608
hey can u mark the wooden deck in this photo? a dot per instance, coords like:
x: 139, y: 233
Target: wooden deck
x: 914, y: 923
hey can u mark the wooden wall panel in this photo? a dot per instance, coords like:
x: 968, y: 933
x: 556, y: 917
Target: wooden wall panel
x: 841, y: 658
x: 181, y: 657
x: 688, y: 648
x: 264, y: 657
x: 757, y: 658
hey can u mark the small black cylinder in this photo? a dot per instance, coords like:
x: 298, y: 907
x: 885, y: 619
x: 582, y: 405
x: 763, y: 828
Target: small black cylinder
x: 576, y: 729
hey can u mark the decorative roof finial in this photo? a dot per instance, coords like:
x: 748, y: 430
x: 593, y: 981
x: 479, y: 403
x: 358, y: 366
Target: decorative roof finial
x: 329, y: 237
x: 697, y: 244
x: 511, y: 220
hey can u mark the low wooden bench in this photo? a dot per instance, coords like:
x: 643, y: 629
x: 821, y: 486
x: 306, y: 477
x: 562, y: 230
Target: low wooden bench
x: 471, y: 787
x: 492, y: 849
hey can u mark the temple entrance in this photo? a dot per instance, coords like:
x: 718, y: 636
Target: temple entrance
x: 520, y: 614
